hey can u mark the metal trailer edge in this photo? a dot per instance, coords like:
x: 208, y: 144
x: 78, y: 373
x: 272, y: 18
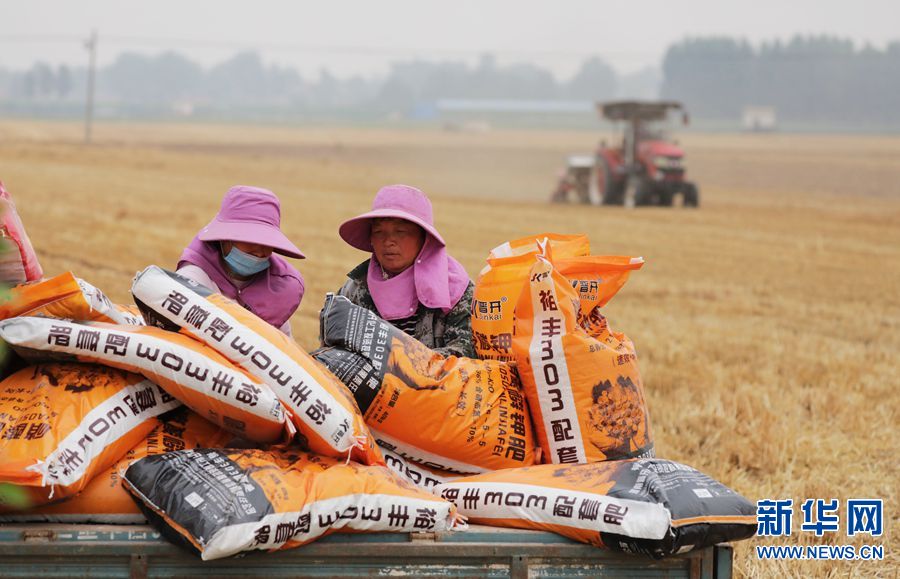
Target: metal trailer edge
x: 138, y: 551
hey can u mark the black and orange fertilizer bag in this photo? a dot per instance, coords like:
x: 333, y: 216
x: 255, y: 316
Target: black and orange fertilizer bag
x: 581, y: 379
x: 63, y: 424
x: 647, y: 506
x: 187, y: 369
x: 104, y: 500
x: 454, y: 414
x: 319, y: 405
x: 221, y: 502
x: 500, y: 284
x: 423, y: 477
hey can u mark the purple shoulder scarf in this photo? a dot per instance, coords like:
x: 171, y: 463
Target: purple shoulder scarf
x: 273, y: 294
x: 435, y: 280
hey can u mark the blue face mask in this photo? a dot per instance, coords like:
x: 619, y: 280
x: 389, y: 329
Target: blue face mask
x: 245, y: 264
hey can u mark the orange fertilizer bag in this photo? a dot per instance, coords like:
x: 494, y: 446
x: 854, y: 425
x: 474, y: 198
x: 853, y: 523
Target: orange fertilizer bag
x: 500, y: 284
x: 63, y: 424
x: 596, y: 279
x: 321, y: 407
x: 187, y: 369
x: 104, y: 500
x: 562, y: 245
x: 67, y: 297
x: 648, y: 506
x: 222, y: 502
x: 457, y: 414
x: 582, y: 382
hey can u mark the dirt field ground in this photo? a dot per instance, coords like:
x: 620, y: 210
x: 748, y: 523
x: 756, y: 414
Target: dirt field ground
x: 767, y: 322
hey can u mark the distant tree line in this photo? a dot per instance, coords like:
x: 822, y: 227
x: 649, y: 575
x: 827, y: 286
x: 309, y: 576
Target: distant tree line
x: 807, y: 79
x: 819, y: 79
x: 244, y: 80
x: 414, y: 82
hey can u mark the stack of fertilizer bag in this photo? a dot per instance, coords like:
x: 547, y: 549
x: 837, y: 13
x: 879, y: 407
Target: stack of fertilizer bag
x: 197, y: 415
x: 207, y: 421
x: 553, y: 384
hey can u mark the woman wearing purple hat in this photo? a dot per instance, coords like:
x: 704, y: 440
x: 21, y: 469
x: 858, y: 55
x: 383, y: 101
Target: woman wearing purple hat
x: 409, y: 279
x: 235, y: 255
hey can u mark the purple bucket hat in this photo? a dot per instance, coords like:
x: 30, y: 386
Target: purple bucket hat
x: 392, y: 201
x: 250, y: 215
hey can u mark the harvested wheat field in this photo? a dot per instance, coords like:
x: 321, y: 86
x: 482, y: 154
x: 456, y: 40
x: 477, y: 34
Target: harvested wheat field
x: 767, y: 322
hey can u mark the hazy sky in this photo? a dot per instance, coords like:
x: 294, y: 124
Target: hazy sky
x: 362, y: 37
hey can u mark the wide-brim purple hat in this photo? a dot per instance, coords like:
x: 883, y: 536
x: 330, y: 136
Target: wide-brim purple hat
x: 250, y: 215
x: 392, y: 201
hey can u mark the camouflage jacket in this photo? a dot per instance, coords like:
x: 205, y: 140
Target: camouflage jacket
x: 449, y: 334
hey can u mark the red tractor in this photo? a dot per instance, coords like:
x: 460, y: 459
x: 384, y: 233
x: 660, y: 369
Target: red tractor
x: 646, y: 169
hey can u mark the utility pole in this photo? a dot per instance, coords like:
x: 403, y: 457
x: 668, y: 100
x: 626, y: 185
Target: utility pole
x: 91, y: 45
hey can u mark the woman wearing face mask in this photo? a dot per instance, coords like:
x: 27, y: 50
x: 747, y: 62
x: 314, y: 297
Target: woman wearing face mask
x: 410, y: 280
x: 237, y: 255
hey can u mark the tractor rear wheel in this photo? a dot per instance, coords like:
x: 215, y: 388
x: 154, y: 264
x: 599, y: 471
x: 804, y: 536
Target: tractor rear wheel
x: 611, y: 192
x: 690, y: 195
x: 666, y: 196
x: 645, y: 194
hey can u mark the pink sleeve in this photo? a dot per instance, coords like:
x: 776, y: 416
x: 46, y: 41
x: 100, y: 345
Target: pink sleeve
x: 13, y: 228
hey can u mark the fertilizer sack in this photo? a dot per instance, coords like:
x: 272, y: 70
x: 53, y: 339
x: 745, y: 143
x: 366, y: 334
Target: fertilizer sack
x: 103, y: 500
x: 595, y: 278
x: 63, y: 424
x: 320, y: 406
x: 222, y: 502
x: 187, y: 369
x: 66, y: 297
x: 562, y: 245
x: 648, y: 506
x: 18, y: 261
x: 499, y: 285
x: 583, y: 386
x: 457, y: 414
x: 423, y: 477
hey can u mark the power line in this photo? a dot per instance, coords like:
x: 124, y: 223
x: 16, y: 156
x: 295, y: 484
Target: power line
x: 168, y: 42
x: 358, y: 49
x: 40, y: 38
